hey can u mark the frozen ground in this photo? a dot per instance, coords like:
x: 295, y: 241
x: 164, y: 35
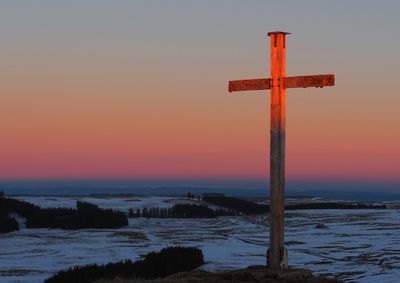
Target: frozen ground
x: 356, y: 245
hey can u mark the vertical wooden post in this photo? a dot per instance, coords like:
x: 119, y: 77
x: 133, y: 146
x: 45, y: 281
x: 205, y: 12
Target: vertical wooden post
x: 277, y: 255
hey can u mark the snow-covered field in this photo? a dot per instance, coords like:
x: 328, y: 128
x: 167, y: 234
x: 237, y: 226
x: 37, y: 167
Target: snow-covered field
x: 356, y: 245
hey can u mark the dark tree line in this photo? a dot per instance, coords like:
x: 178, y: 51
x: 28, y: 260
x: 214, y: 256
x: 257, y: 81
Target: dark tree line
x: 86, y: 215
x: 237, y: 204
x: 154, y: 265
x: 334, y: 205
x: 182, y: 211
x: 251, y: 208
x: 7, y: 223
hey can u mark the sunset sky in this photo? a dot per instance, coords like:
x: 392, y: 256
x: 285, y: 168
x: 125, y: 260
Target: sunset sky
x: 138, y: 89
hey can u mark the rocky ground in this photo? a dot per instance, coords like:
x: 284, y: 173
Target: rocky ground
x: 252, y: 274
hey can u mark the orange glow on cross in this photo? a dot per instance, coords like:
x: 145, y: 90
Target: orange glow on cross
x: 277, y: 83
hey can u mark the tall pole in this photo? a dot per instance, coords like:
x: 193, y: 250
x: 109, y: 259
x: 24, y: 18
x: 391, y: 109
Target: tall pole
x: 277, y: 254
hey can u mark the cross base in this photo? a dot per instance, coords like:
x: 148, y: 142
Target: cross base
x: 283, y: 257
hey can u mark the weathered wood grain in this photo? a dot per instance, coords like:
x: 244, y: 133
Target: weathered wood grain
x: 289, y: 82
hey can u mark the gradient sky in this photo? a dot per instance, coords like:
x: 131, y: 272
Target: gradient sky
x: 138, y: 89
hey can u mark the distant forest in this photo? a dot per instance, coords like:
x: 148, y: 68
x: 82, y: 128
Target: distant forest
x: 7, y: 223
x: 154, y: 265
x: 85, y: 215
x: 237, y: 204
x: 250, y: 208
x: 230, y: 206
x: 182, y: 211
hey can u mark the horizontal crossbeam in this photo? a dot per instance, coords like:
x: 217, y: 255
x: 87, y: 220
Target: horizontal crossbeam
x: 310, y: 81
x: 289, y: 82
x: 255, y: 84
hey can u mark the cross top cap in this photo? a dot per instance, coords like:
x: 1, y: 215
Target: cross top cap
x: 277, y: 32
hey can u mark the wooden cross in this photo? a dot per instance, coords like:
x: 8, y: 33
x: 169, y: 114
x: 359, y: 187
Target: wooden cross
x: 278, y: 83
